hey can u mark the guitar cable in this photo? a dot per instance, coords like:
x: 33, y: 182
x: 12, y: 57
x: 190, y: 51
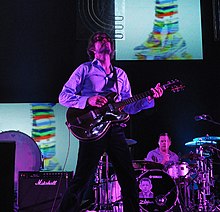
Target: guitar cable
x: 53, y: 209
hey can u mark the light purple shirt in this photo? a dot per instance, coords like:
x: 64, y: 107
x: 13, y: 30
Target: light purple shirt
x: 156, y: 156
x: 90, y: 79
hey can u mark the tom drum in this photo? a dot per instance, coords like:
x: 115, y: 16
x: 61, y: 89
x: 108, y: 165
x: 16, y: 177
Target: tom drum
x: 179, y: 169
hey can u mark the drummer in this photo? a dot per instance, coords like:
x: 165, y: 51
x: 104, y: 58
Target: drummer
x: 162, y: 154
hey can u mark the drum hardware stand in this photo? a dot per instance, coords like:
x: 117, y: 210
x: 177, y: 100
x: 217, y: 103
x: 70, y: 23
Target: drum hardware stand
x: 190, y: 195
x: 97, y: 186
x: 179, y: 203
x: 185, y: 195
x: 107, y: 181
x: 102, y: 202
x: 178, y: 200
x: 217, y: 207
x: 205, y: 181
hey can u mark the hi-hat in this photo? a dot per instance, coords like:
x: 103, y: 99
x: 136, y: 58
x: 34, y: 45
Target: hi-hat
x: 130, y: 142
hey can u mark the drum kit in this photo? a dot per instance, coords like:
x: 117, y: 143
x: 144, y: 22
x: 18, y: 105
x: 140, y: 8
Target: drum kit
x: 184, y: 186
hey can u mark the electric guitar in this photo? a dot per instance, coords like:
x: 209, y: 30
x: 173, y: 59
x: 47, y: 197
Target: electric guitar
x: 92, y: 123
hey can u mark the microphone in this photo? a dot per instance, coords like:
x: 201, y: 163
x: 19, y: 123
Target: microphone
x: 201, y: 117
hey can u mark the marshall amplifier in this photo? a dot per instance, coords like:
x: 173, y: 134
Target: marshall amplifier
x: 7, y: 164
x: 41, y: 191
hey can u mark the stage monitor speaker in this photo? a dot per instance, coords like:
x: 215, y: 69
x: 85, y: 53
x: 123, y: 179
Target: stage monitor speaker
x: 41, y: 191
x: 7, y: 161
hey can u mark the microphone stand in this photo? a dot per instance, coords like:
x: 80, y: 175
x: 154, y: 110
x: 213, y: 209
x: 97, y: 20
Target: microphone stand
x: 210, y: 119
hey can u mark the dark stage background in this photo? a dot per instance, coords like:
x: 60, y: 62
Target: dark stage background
x: 43, y: 41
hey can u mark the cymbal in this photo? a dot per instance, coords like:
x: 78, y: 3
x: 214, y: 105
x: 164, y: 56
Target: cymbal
x: 139, y: 164
x: 207, y: 138
x: 130, y: 142
x: 200, y: 143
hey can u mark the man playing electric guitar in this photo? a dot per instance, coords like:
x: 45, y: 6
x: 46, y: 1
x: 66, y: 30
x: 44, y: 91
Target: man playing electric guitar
x: 89, y: 86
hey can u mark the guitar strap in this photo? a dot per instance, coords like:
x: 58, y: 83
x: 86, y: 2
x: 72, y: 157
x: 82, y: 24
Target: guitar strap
x: 116, y: 79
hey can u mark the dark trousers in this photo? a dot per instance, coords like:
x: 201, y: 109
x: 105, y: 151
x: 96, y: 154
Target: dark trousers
x: 114, y: 144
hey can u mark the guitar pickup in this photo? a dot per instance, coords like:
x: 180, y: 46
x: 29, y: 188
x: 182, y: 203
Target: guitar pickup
x: 111, y: 107
x: 78, y: 120
x: 93, y: 114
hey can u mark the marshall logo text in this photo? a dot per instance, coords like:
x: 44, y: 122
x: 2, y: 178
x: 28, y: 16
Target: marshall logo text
x: 44, y: 183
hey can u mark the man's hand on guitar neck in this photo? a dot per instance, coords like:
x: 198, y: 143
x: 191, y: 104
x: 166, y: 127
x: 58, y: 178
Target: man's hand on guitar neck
x: 97, y: 101
x: 157, y: 92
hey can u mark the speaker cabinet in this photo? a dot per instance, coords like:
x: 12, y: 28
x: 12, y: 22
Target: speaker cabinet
x: 7, y: 161
x: 42, y: 191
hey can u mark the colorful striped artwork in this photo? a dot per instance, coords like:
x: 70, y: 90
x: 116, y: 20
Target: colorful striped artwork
x: 44, y: 134
x: 164, y: 42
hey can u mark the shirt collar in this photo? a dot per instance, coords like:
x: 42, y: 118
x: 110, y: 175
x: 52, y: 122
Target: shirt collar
x: 158, y: 149
x: 96, y: 62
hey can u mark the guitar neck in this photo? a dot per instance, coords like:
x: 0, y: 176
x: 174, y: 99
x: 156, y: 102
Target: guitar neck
x: 139, y: 96
x: 173, y: 85
x: 134, y: 99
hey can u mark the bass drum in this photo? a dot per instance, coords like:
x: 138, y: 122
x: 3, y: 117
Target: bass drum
x: 27, y: 153
x: 157, y: 191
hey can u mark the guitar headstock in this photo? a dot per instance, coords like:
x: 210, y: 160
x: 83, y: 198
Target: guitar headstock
x: 174, y: 85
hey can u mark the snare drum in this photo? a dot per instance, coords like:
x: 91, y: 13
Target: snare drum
x: 179, y: 169
x: 163, y: 191
x: 27, y: 153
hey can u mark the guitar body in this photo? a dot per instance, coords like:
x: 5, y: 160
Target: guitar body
x: 92, y: 123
